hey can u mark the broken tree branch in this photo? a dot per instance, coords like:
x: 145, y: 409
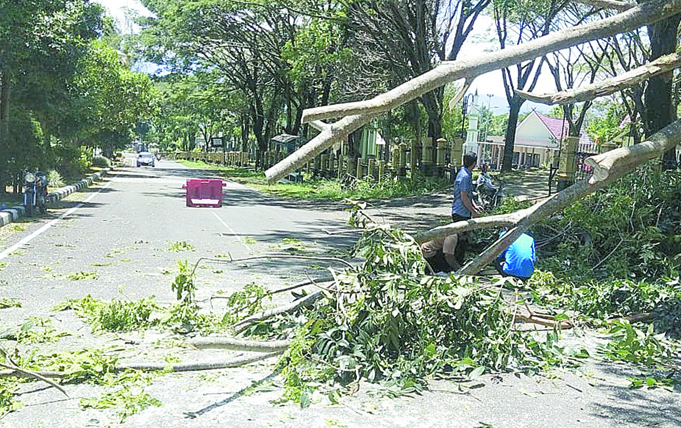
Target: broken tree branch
x: 608, y: 4
x: 359, y: 113
x: 33, y: 374
x: 196, y: 366
x: 544, y: 321
x: 610, y: 167
x: 176, y: 367
x: 626, y: 158
x: 634, y: 318
x: 239, y: 345
x: 472, y: 224
x: 661, y: 65
x: 280, y: 290
x: 304, y: 301
x: 319, y: 125
x: 280, y: 256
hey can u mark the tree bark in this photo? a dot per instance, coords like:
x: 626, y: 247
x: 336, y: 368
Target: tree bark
x: 175, y: 367
x: 359, y: 113
x: 472, y: 224
x: 607, y: 4
x: 245, y: 128
x: 513, y: 114
x: 239, y: 345
x: 4, y: 125
x: 660, y: 110
x: 303, y: 301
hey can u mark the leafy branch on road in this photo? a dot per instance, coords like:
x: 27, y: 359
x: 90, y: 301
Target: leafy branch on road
x: 379, y: 318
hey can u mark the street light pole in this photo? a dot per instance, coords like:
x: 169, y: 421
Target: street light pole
x: 464, y: 107
x: 489, y: 115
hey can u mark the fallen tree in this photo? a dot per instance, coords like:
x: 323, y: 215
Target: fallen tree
x: 608, y: 167
x: 237, y: 361
x: 359, y: 113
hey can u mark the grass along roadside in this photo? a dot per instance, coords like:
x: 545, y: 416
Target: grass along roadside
x: 326, y: 189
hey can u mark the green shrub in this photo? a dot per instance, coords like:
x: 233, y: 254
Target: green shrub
x: 101, y: 162
x: 54, y: 179
x: 72, y: 161
x: 629, y: 230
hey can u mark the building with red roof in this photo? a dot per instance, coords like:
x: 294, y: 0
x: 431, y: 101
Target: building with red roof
x: 537, y: 142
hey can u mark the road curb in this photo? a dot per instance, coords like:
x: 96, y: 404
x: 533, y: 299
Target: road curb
x: 14, y: 213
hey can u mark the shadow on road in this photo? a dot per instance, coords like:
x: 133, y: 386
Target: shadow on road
x: 242, y: 392
x: 641, y: 407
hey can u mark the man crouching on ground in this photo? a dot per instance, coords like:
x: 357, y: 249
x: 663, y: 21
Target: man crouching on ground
x: 439, y: 253
x: 518, y: 259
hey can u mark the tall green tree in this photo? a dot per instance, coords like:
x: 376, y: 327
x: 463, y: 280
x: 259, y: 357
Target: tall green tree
x: 404, y: 39
x: 40, y: 44
x: 110, y: 100
x: 252, y: 44
x: 518, y: 22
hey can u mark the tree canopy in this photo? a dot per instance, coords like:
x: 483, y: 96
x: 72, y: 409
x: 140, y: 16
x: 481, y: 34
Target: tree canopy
x: 61, y: 86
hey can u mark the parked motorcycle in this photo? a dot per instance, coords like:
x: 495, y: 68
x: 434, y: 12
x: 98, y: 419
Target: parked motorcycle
x: 35, y: 192
x: 487, y: 194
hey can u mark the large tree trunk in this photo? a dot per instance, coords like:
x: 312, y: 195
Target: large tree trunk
x: 245, y: 129
x: 513, y: 114
x: 660, y: 110
x: 353, y: 146
x: 192, y: 140
x: 258, y: 117
x: 416, y: 121
x: 432, y: 101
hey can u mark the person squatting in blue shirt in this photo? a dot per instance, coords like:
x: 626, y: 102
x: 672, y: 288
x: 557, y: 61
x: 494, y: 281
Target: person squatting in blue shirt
x: 518, y: 259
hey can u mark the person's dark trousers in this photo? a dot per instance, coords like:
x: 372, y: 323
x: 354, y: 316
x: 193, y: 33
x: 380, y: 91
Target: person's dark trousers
x: 499, y: 263
x: 462, y: 243
x: 439, y: 263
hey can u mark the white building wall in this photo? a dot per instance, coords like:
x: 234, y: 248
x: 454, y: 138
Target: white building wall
x: 533, y: 132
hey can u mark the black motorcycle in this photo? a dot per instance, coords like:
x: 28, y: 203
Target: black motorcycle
x: 487, y: 194
x: 35, y: 192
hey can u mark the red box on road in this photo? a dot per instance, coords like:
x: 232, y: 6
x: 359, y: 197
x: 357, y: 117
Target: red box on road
x: 204, y: 193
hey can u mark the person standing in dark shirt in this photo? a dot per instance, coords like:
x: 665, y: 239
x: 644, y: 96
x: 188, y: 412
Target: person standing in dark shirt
x: 463, y: 207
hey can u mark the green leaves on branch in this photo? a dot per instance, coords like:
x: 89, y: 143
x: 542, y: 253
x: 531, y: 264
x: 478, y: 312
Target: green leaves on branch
x: 389, y: 322
x: 630, y: 230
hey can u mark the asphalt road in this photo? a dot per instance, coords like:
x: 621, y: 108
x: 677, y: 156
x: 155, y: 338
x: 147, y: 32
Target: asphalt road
x: 130, y: 223
x: 124, y: 228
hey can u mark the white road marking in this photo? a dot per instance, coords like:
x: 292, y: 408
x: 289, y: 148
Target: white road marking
x: 42, y: 230
x: 232, y: 232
